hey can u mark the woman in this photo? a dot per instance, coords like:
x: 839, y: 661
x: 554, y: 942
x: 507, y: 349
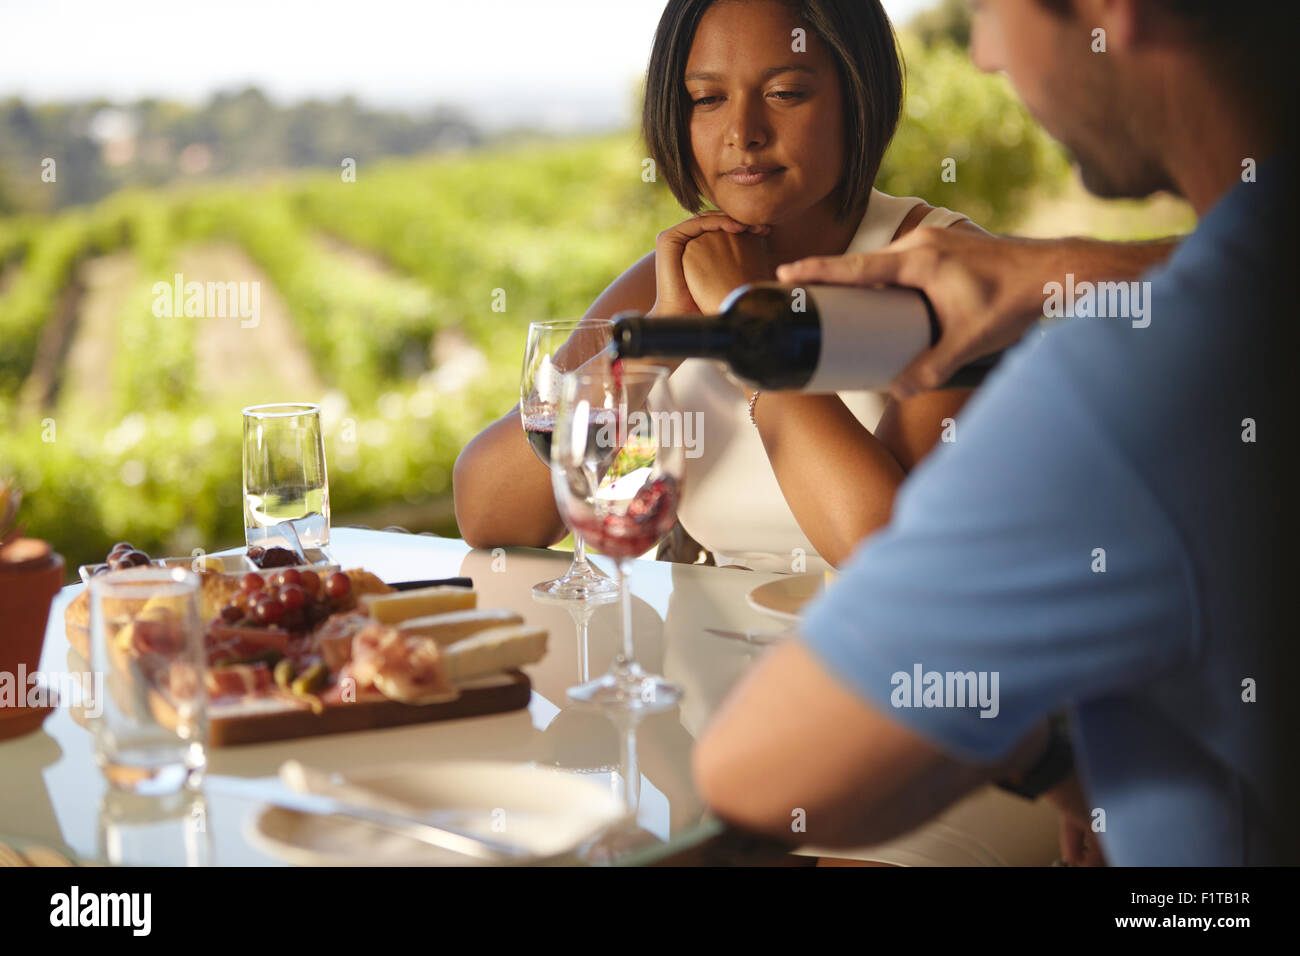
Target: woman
x: 778, y: 115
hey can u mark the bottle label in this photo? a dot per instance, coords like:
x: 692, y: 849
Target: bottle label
x: 868, y: 336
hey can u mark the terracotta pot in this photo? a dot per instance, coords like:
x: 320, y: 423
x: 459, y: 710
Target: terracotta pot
x: 30, y: 575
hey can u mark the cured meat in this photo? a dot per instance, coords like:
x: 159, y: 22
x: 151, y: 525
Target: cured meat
x: 333, y: 639
x: 402, y: 667
x: 238, y: 680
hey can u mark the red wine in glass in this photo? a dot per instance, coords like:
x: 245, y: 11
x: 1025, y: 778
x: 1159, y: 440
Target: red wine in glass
x: 632, y: 532
x: 539, y: 427
x: 603, y: 443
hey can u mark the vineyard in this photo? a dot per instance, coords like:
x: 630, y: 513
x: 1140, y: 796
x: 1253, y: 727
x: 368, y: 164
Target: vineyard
x: 398, y: 301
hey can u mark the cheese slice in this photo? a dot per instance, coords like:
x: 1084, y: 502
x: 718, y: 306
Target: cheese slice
x: 404, y: 605
x: 498, y: 649
x: 458, y: 625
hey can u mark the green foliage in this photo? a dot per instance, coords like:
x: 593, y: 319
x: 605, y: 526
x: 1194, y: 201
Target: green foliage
x: 1002, y: 158
x: 949, y: 22
x: 170, y: 481
x: 361, y: 330
x: 29, y: 302
x: 552, y: 226
x: 153, y: 366
x: 14, y: 235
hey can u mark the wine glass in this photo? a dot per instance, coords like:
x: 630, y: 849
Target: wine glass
x: 555, y: 348
x: 617, y: 463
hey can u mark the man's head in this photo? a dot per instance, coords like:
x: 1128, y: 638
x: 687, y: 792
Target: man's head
x: 1108, y: 78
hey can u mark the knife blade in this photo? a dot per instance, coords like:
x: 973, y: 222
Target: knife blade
x: 441, y: 835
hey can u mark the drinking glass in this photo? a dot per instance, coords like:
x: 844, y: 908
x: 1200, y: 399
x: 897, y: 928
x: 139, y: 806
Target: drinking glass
x: 166, y: 830
x: 147, y: 710
x: 617, y: 463
x: 553, y: 349
x: 284, y: 476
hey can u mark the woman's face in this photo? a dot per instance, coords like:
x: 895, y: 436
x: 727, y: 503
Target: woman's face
x: 759, y: 101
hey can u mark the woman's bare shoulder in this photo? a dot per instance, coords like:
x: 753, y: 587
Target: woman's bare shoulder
x: 922, y: 209
x: 634, y: 289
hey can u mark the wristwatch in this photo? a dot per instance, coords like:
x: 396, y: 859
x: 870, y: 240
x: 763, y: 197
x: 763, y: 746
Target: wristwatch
x: 1052, y: 766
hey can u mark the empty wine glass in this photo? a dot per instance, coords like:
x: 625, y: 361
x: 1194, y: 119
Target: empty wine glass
x: 617, y: 463
x: 555, y: 348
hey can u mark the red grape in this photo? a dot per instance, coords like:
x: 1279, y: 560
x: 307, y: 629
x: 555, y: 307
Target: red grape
x: 269, y: 611
x: 288, y: 576
x: 250, y: 582
x: 337, y: 585
x: 232, y: 613
x: 292, y: 597
x: 309, y: 581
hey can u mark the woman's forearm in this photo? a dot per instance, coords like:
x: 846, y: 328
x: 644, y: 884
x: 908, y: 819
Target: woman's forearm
x: 503, y: 492
x: 837, y: 478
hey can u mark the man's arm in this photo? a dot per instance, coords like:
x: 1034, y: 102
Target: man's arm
x: 791, y: 743
x: 986, y: 290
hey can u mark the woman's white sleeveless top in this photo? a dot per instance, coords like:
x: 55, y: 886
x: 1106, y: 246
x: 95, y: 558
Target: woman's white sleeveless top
x: 732, y: 503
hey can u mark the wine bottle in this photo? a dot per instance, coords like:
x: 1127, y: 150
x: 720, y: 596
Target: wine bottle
x: 816, y: 338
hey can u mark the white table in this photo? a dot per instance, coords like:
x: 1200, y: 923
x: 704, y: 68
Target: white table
x: 54, y: 794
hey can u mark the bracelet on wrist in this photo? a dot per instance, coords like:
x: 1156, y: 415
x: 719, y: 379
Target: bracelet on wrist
x: 753, y: 400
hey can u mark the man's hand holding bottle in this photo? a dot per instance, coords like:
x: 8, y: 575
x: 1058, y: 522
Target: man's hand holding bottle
x: 986, y: 290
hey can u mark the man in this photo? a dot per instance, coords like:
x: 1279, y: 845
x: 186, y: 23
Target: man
x: 1100, y: 539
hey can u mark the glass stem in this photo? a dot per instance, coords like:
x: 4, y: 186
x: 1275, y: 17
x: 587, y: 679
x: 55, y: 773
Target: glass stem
x: 627, y: 655
x: 583, y: 620
x: 580, y: 565
x: 631, y: 772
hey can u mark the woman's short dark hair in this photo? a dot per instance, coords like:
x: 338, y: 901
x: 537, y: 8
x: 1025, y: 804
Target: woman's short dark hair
x: 871, y: 79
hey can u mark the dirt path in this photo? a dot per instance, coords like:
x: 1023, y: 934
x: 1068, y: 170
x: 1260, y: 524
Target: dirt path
x: 74, y: 361
x: 245, y: 366
x: 87, y: 374
x: 355, y: 256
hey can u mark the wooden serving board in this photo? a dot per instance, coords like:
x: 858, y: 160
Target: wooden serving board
x: 267, y: 719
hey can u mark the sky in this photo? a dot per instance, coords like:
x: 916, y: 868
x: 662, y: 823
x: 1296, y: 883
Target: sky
x: 566, y: 64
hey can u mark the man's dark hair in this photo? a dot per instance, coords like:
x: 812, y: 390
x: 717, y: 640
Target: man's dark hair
x: 862, y: 43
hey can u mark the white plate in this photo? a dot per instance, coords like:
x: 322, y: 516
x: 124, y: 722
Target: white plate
x: 549, y: 811
x: 784, y: 599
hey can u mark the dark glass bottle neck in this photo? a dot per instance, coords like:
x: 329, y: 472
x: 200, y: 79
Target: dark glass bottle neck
x: 700, y: 336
